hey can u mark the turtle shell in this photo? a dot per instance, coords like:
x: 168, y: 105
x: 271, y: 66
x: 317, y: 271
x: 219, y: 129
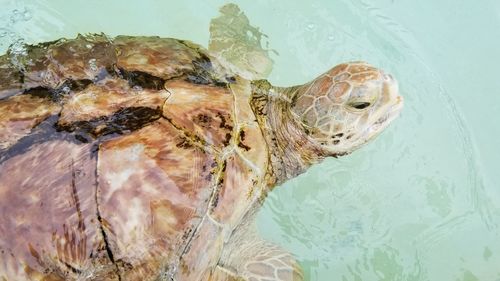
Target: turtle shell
x: 122, y: 159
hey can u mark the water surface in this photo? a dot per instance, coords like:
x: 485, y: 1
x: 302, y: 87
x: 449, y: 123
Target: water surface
x: 422, y: 202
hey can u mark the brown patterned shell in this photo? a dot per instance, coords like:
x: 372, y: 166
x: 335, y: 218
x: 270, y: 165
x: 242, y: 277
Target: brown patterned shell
x: 121, y: 159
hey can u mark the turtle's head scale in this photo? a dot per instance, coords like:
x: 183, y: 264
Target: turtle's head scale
x: 347, y: 106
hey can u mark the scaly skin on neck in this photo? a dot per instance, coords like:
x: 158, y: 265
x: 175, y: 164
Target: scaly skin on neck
x: 292, y: 151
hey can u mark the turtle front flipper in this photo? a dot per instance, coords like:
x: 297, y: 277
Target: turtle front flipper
x: 237, y: 45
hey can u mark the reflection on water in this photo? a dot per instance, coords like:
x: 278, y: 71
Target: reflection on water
x: 413, y: 205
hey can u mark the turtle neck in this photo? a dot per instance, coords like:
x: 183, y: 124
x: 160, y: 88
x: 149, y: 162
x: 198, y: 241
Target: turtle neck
x: 292, y: 150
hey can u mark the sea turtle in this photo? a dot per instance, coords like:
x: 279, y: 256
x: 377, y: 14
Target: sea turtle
x: 146, y: 158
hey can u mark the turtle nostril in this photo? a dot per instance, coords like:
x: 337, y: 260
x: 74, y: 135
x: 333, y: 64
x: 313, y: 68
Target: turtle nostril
x: 388, y: 77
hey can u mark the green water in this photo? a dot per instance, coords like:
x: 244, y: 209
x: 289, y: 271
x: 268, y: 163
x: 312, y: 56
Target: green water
x: 422, y: 202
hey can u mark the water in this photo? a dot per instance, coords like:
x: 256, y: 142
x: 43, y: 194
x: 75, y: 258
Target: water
x: 422, y: 202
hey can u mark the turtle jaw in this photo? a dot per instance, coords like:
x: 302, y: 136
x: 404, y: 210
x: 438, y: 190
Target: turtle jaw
x: 384, y: 121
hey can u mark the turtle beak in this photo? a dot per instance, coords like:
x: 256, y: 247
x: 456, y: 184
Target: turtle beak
x: 394, y: 101
x: 391, y: 88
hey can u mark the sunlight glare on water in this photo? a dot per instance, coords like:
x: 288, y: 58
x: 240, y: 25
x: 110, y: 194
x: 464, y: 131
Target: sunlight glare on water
x: 421, y: 202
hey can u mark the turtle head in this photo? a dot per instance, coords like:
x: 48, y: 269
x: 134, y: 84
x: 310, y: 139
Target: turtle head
x: 347, y: 106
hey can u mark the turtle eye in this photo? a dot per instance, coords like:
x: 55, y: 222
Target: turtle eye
x: 360, y: 105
